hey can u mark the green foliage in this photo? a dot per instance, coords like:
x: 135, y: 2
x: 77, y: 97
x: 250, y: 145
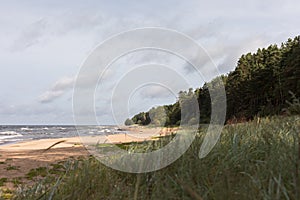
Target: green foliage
x: 11, y: 167
x: 294, y: 105
x: 128, y: 122
x: 142, y: 118
x: 260, y: 83
x: 158, y: 116
x: 2, y: 181
x: 40, y: 171
x: 17, y: 181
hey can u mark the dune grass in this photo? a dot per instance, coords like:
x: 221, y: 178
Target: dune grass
x: 254, y: 160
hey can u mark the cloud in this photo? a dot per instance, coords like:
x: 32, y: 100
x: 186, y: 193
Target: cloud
x: 32, y: 35
x: 74, y: 21
x: 204, y: 31
x: 50, y: 28
x: 35, y: 113
x: 225, y: 52
x: 234, y: 50
x: 155, y: 91
x: 58, y: 89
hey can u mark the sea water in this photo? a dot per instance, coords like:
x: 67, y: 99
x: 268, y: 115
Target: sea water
x: 12, y: 134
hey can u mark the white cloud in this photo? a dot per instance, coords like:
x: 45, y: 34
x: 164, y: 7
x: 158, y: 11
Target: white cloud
x: 32, y: 35
x: 62, y: 86
x: 155, y: 91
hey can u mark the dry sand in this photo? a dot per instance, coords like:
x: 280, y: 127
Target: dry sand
x: 16, y: 160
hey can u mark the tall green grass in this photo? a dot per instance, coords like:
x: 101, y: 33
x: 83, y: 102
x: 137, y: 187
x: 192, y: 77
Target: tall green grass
x: 255, y: 160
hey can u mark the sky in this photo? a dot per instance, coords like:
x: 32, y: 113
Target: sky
x: 43, y: 45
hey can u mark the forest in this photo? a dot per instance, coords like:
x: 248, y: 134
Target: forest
x: 263, y: 83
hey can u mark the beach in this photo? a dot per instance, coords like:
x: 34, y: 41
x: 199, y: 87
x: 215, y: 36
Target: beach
x: 18, y: 159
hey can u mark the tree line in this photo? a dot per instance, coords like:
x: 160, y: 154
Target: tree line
x: 261, y: 84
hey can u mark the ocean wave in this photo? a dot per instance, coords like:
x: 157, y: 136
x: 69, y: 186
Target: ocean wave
x: 9, y: 135
x: 26, y: 129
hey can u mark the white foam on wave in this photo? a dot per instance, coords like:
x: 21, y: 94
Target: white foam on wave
x: 104, y: 131
x: 9, y: 134
x: 26, y: 129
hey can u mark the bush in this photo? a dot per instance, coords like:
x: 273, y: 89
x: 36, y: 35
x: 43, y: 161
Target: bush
x: 128, y: 122
x: 294, y: 106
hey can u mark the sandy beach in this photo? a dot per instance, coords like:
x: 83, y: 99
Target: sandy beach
x: 17, y: 159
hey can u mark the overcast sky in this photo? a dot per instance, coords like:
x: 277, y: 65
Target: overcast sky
x: 44, y: 43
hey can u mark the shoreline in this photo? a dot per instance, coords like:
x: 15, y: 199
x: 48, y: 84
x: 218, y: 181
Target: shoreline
x: 131, y: 134
x: 17, y: 159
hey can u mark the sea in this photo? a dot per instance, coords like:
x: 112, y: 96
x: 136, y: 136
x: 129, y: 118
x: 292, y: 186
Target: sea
x: 13, y: 134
